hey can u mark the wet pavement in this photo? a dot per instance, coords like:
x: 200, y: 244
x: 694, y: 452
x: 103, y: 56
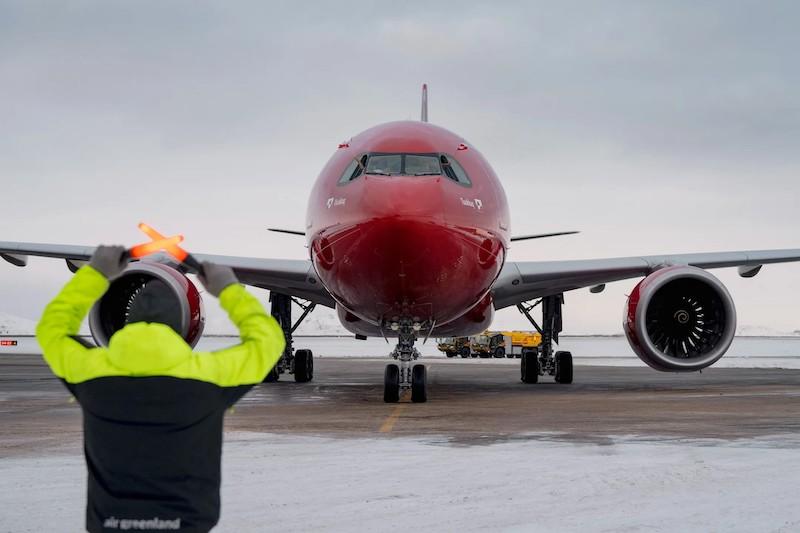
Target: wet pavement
x: 471, y: 402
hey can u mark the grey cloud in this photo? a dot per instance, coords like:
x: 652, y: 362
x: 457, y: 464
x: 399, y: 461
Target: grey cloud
x: 655, y: 127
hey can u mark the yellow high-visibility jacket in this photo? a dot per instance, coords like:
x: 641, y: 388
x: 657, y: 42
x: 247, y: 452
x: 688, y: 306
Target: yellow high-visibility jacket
x: 144, y: 349
x: 152, y: 409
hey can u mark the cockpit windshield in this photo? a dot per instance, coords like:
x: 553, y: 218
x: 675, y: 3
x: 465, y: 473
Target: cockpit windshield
x: 422, y: 165
x: 385, y: 164
x: 405, y: 165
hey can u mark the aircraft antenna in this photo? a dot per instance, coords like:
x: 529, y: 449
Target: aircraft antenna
x: 424, y: 117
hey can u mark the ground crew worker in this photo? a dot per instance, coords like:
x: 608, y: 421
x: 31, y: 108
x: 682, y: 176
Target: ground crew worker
x: 153, y: 409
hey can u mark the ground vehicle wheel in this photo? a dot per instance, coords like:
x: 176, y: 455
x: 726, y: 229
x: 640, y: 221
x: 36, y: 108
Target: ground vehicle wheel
x: 418, y: 378
x: 464, y: 352
x: 303, y: 366
x: 499, y: 352
x: 485, y: 355
x: 391, y: 383
x: 450, y: 354
x: 563, y: 367
x: 273, y: 375
x: 529, y: 366
x: 474, y: 354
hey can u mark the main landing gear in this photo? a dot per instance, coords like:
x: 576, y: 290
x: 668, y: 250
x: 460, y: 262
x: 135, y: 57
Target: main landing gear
x: 539, y: 361
x: 405, y: 376
x: 297, y: 362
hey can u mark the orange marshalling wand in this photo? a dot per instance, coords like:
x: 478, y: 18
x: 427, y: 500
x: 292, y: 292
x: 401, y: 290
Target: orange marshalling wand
x: 167, y: 244
x: 147, y: 248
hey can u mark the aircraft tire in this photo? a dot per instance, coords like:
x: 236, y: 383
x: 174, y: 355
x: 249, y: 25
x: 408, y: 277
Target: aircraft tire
x: 303, y: 366
x: 391, y: 383
x: 529, y: 366
x: 418, y: 379
x: 563, y: 367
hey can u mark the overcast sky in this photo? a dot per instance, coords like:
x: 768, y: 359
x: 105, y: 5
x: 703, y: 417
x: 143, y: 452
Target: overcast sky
x: 651, y: 127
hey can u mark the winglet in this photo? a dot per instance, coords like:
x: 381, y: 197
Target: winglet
x: 424, y: 115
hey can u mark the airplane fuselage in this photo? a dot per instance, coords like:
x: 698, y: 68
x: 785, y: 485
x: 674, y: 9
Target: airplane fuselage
x: 395, y: 237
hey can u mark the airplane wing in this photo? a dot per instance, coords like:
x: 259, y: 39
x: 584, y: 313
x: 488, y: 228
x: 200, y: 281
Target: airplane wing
x: 295, y: 277
x: 526, y: 280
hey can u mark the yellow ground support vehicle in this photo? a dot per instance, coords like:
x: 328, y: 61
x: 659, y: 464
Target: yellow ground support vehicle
x: 453, y: 346
x: 491, y: 344
x: 488, y: 344
x: 521, y: 340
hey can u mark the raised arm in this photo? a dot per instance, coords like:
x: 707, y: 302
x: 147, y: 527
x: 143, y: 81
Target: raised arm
x: 63, y: 316
x: 262, y: 338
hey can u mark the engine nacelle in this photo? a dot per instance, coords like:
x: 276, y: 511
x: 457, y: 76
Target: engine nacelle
x: 145, y: 288
x: 680, y: 318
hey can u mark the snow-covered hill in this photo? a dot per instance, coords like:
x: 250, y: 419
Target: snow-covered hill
x: 14, y: 325
x: 322, y: 321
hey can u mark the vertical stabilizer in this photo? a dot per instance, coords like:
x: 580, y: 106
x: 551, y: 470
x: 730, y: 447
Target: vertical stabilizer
x: 424, y: 116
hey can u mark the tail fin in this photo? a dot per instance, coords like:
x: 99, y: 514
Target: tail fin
x: 424, y: 117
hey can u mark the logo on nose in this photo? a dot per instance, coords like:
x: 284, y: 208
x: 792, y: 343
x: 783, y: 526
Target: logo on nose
x: 475, y: 203
x: 333, y: 202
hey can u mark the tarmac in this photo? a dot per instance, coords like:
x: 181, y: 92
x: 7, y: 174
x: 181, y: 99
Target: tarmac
x: 471, y: 402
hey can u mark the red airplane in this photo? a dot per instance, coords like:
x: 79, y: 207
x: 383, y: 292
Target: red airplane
x: 408, y: 228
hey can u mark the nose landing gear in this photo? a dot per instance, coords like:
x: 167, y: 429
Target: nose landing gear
x: 400, y: 378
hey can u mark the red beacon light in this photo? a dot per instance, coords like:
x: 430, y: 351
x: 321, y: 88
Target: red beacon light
x: 462, y: 146
x: 345, y: 144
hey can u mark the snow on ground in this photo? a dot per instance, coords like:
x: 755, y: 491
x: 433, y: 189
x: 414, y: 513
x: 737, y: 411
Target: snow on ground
x: 533, y: 483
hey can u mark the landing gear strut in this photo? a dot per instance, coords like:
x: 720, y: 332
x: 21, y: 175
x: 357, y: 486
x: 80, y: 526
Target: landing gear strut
x: 299, y: 362
x: 543, y: 361
x: 405, y: 376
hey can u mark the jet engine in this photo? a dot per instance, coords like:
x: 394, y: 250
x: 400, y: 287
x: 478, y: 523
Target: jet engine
x: 680, y: 318
x: 149, y: 292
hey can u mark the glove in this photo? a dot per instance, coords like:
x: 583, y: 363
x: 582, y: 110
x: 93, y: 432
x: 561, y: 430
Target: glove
x: 216, y: 277
x: 110, y: 261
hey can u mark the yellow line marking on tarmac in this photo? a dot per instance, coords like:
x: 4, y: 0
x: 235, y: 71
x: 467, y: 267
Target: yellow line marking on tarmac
x: 391, y: 420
